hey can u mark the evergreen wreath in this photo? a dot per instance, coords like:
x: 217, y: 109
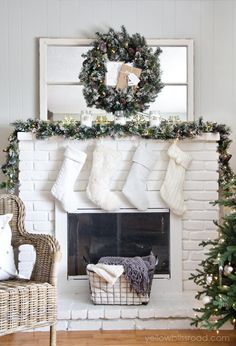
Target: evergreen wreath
x: 119, y: 46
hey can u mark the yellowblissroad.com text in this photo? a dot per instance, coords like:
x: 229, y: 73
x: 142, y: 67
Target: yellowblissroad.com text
x: 187, y: 338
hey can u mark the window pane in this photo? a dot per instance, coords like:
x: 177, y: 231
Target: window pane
x: 173, y: 62
x: 172, y: 101
x: 64, y: 64
x: 66, y: 99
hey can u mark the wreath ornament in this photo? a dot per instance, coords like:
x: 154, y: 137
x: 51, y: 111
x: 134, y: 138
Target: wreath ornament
x: 132, y: 50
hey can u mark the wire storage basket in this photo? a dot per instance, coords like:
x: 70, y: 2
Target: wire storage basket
x: 121, y: 293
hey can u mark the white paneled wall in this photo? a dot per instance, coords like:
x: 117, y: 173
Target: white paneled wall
x: 211, y: 23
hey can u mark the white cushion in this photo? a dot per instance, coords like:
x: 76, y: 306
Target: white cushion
x: 7, y: 263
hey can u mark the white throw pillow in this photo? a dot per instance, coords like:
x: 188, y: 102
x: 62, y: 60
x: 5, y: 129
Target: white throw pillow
x: 7, y: 263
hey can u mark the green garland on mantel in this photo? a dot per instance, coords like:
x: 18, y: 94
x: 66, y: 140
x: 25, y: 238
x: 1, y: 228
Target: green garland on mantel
x: 70, y: 128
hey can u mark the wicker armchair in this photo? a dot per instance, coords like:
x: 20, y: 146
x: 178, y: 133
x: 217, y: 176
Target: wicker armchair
x: 26, y: 304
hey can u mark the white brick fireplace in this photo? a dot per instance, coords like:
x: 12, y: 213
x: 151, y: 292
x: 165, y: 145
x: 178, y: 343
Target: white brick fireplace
x: 171, y: 301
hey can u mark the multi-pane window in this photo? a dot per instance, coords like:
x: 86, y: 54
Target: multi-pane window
x: 61, y: 91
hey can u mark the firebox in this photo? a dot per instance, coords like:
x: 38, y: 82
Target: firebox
x: 128, y: 233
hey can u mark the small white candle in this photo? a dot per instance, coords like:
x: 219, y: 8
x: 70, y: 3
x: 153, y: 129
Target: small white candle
x: 154, y: 119
x: 86, y: 118
x: 120, y: 118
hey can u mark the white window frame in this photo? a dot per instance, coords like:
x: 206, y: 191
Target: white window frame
x: 44, y: 43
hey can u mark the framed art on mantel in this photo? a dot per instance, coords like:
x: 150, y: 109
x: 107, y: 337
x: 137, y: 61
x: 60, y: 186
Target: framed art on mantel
x: 61, y: 91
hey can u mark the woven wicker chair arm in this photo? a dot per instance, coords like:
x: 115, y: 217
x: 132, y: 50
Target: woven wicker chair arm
x: 47, y: 255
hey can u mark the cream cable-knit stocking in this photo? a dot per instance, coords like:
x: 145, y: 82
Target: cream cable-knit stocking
x: 172, y: 187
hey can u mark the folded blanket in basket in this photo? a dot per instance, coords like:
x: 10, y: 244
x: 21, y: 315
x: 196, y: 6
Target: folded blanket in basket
x: 110, y: 273
x: 136, y: 270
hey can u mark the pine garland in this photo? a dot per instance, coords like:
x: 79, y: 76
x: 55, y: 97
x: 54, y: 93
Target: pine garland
x: 120, y: 46
x: 70, y: 128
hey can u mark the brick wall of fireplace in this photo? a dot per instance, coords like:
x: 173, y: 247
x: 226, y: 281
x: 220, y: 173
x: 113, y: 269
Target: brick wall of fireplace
x: 39, y: 164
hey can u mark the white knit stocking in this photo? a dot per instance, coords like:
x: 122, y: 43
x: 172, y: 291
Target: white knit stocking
x: 135, y: 186
x: 172, y: 187
x: 105, y: 163
x: 64, y: 185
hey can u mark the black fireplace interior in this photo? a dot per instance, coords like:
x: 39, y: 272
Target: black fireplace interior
x: 128, y: 234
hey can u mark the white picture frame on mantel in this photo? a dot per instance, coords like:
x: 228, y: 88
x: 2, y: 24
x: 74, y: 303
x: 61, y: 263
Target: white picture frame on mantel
x: 61, y: 91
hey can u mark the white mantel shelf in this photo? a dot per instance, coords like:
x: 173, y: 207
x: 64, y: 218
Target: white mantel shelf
x: 209, y: 137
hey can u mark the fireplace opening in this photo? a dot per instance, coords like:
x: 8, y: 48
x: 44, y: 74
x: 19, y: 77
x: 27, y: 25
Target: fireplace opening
x: 92, y: 235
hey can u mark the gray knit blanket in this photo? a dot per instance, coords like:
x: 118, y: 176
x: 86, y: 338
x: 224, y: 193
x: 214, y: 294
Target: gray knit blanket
x: 138, y: 271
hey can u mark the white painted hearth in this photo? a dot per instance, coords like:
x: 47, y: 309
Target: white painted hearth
x: 171, y: 299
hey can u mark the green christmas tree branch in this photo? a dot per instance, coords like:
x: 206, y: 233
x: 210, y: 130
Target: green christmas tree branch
x: 217, y: 276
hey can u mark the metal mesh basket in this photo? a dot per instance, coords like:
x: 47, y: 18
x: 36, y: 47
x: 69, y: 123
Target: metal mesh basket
x: 118, y: 294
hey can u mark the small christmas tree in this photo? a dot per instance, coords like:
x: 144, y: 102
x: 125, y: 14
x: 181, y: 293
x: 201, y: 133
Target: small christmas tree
x: 217, y: 275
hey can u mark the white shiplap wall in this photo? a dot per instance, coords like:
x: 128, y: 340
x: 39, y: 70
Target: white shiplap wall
x: 211, y: 23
